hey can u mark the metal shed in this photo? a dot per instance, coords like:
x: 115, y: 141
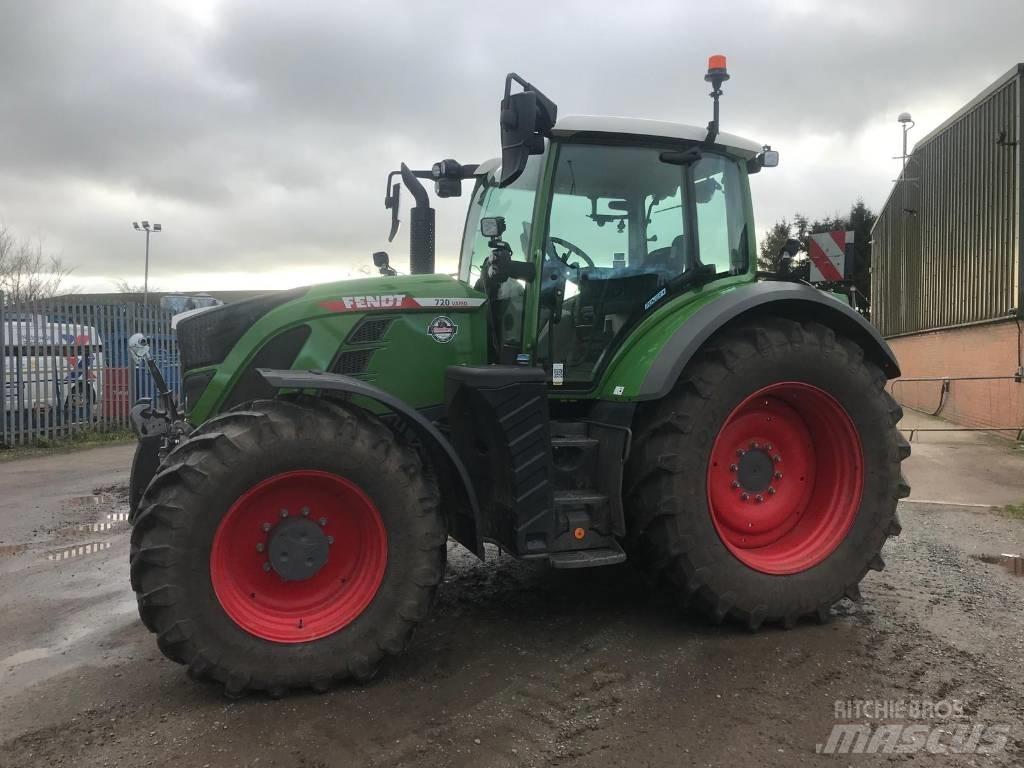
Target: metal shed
x: 946, y: 248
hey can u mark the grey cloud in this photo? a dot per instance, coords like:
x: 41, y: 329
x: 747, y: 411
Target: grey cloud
x: 264, y: 138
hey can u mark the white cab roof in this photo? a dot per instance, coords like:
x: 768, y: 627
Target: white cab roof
x: 638, y: 126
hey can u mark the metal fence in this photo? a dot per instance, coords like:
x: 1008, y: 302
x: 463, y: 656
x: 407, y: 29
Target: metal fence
x: 946, y: 246
x: 66, y: 366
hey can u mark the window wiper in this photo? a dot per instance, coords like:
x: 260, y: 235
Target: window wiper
x: 681, y: 157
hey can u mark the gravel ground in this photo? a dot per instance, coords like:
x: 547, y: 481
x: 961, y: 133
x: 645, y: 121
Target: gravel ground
x: 518, y: 666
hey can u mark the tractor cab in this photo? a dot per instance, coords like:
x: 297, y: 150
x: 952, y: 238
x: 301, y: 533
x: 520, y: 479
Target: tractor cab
x: 611, y: 221
x: 587, y: 226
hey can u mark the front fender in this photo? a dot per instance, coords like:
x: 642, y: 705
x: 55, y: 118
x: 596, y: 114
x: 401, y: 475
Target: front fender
x: 465, y: 530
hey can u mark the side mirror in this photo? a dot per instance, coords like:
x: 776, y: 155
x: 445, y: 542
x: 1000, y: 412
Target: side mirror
x: 767, y: 158
x: 391, y: 200
x: 526, y: 120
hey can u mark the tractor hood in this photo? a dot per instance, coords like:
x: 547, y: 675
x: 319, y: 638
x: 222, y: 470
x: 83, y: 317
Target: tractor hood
x: 399, y: 333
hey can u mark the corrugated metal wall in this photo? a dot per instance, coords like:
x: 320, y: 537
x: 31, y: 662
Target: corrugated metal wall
x: 946, y: 247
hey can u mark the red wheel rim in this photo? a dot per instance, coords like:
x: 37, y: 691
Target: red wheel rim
x: 260, y: 600
x: 785, y: 478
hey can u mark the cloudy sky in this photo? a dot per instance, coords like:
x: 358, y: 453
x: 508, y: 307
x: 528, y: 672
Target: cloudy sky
x: 259, y: 133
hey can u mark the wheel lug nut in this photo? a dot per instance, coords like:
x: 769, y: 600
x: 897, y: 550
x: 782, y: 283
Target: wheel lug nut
x: 330, y: 539
x: 259, y: 546
x: 776, y: 458
x: 767, y: 446
x: 759, y: 498
x: 744, y: 496
x: 754, y: 446
x: 734, y: 467
x: 740, y: 452
x: 284, y: 513
x: 323, y: 521
x: 771, y: 491
x: 305, y: 511
x: 735, y: 484
x: 778, y: 475
x: 266, y: 527
x: 266, y: 567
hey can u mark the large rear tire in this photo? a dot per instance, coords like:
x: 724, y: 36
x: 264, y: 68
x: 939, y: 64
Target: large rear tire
x: 287, y: 546
x: 764, y: 486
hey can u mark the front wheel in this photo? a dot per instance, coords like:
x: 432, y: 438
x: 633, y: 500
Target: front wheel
x: 764, y: 487
x: 287, y: 546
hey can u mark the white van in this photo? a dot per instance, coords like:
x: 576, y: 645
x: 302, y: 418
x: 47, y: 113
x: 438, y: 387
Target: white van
x: 51, y: 367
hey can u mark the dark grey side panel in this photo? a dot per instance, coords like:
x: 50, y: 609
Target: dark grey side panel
x: 794, y: 300
x: 427, y: 432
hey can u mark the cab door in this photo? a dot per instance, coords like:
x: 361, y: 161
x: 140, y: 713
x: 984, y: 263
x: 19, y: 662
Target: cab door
x: 515, y: 203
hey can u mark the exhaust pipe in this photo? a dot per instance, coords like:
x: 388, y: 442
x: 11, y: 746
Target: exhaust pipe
x: 421, y: 226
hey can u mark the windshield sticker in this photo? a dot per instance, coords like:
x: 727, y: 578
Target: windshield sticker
x: 442, y: 329
x: 558, y: 374
x: 655, y: 299
x: 619, y: 390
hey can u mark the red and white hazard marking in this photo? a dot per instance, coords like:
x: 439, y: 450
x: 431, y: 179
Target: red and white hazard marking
x: 828, y: 256
x: 397, y: 301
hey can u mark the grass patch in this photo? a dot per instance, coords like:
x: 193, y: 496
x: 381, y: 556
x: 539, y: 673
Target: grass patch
x: 78, y: 440
x: 1013, y: 510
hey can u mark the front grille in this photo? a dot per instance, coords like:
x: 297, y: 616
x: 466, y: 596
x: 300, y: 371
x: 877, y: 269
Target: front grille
x: 369, y: 330
x: 205, y: 338
x: 352, y: 361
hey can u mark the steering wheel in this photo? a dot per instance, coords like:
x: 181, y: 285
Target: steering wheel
x: 572, y: 248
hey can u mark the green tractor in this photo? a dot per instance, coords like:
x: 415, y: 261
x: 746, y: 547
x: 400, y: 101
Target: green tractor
x: 608, y: 375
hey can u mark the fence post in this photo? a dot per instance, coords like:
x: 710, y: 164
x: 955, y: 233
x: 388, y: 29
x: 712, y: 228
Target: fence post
x: 5, y: 342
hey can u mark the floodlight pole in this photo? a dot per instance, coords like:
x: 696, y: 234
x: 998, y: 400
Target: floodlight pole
x: 145, y: 280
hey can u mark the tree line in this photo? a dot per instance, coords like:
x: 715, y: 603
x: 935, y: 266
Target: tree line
x: 860, y: 219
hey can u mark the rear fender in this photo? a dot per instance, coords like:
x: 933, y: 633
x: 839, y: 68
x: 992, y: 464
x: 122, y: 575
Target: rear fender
x: 797, y: 301
x: 464, y: 521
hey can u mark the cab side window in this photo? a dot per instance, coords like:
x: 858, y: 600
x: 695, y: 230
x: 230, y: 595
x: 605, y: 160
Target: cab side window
x: 721, y: 223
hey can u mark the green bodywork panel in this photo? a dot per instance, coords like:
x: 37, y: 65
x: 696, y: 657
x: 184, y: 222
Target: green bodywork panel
x: 630, y: 364
x: 407, y: 362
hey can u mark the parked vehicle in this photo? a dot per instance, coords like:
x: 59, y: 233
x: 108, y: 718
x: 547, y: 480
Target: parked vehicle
x: 52, y: 370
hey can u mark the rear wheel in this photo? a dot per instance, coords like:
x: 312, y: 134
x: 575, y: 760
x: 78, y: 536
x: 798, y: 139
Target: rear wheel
x: 764, y: 487
x: 287, y: 546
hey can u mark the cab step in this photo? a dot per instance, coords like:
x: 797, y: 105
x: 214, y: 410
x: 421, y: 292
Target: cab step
x: 588, y: 558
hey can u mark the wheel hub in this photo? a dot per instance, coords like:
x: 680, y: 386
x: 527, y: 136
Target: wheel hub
x: 755, y: 470
x: 297, y: 549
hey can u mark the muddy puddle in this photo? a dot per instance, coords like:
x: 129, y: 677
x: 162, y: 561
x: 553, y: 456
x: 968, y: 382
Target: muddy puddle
x: 93, y: 499
x: 81, y: 550
x: 1012, y: 563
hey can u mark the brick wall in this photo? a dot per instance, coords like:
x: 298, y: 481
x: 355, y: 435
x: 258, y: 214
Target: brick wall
x: 980, y: 350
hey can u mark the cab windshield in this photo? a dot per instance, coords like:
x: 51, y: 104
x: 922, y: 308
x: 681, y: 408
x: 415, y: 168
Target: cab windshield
x: 625, y: 231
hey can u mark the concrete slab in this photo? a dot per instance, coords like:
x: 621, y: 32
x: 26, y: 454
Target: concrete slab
x: 966, y: 468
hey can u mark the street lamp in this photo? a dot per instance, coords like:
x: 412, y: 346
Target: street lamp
x: 907, y: 123
x: 147, y: 228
